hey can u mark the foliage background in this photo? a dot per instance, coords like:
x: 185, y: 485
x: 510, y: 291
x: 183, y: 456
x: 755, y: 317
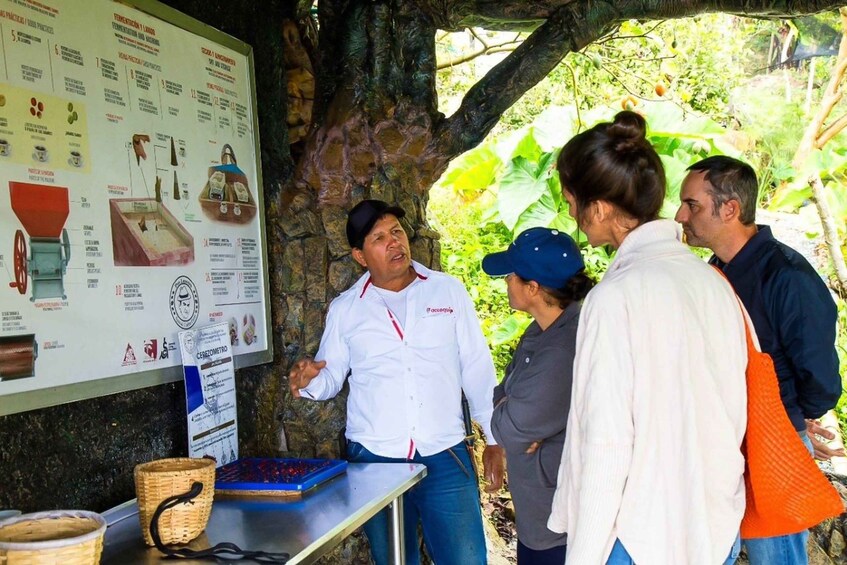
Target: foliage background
x: 705, y: 85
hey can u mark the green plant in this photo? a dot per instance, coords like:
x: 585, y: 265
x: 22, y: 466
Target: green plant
x: 493, y: 193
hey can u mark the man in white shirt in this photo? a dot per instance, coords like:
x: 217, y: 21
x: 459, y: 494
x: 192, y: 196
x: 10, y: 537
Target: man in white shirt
x: 410, y: 343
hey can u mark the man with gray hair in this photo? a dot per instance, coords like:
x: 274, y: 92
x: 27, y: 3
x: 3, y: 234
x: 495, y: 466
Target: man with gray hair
x: 790, y: 306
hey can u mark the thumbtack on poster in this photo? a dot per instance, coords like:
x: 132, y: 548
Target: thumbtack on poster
x: 209, y: 372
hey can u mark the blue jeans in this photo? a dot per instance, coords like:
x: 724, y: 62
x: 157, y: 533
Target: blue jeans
x: 781, y: 550
x: 445, y: 503
x: 620, y: 556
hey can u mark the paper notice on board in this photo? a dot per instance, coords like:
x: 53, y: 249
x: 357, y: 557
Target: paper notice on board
x: 210, y: 393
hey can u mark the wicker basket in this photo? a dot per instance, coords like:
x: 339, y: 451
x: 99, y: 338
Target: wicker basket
x: 69, y: 537
x: 161, y: 479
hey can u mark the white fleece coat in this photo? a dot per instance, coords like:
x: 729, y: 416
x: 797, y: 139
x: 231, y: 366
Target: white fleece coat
x: 658, y: 411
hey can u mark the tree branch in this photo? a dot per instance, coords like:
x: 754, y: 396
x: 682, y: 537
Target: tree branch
x: 478, y: 37
x: 831, y: 96
x: 614, y: 37
x: 567, y: 30
x: 570, y: 25
x: 486, y: 50
x: 831, y: 131
x: 455, y: 15
x: 830, y: 231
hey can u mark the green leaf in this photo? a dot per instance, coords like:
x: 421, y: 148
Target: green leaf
x: 563, y: 222
x: 790, y: 197
x: 675, y: 173
x: 522, y: 185
x: 473, y: 172
x: 666, y: 119
x: 540, y: 213
x: 510, y: 330
x: 528, y: 147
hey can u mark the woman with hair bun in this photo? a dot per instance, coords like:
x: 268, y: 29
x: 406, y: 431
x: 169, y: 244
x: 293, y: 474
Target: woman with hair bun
x: 651, y: 472
x: 545, y: 277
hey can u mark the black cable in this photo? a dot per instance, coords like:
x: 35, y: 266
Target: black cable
x: 224, y: 550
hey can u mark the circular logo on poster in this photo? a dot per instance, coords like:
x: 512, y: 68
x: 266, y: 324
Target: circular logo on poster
x: 185, y: 304
x: 188, y: 342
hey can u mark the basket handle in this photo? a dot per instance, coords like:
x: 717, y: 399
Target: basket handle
x: 224, y: 550
x: 228, y: 155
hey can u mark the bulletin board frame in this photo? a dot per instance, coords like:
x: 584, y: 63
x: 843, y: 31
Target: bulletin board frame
x: 17, y: 402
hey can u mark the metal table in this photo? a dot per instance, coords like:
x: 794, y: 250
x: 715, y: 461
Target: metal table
x: 306, y: 527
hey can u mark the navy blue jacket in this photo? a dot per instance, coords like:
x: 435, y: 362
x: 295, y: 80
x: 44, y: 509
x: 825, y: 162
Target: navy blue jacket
x: 794, y: 316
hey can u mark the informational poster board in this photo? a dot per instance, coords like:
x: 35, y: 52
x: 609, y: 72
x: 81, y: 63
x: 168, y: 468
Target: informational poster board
x: 210, y: 393
x: 130, y: 197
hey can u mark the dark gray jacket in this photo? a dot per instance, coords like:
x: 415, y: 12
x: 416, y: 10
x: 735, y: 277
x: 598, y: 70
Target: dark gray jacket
x: 537, y: 387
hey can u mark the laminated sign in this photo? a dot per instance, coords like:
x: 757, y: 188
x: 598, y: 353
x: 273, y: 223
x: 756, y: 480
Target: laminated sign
x: 210, y: 393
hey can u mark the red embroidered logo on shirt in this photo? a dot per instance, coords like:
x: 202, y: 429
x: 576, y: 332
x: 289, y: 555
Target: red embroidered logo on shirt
x: 445, y: 310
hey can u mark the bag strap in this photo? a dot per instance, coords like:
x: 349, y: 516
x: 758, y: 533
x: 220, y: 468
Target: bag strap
x: 751, y: 344
x: 224, y: 550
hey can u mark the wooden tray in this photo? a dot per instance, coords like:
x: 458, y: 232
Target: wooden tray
x: 258, y: 476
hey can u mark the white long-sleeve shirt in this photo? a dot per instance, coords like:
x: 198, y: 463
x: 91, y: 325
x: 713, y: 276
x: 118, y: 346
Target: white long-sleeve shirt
x: 658, y: 411
x: 406, y: 379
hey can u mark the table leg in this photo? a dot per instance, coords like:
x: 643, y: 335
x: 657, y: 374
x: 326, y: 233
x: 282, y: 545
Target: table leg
x: 395, y: 531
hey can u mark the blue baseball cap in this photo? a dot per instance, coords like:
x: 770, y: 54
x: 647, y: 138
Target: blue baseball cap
x: 546, y: 256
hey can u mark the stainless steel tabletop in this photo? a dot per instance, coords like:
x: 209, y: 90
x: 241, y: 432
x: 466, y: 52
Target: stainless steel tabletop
x: 306, y: 527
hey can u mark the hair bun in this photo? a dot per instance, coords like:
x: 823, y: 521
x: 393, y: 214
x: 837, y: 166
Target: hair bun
x: 628, y: 127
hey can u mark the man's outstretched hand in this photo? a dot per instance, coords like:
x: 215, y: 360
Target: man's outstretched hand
x: 302, y: 373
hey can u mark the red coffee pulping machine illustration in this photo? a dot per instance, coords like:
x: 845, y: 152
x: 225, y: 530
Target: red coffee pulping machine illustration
x: 43, y: 211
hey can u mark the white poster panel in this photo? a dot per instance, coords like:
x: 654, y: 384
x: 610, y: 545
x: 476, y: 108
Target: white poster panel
x: 130, y: 198
x: 210, y: 393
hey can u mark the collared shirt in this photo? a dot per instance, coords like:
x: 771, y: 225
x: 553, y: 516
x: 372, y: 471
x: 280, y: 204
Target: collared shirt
x: 406, y: 380
x: 658, y: 410
x: 794, y: 316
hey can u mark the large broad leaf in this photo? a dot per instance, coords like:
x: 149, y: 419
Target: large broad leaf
x: 510, y: 330
x: 473, y: 172
x: 666, y: 119
x: 563, y: 222
x: 523, y: 184
x: 794, y: 194
x: 675, y: 173
x: 554, y: 126
x: 554, y: 186
x: 829, y: 160
x: 790, y: 197
x: 540, y: 213
x: 528, y: 147
x: 722, y: 146
x: 836, y: 197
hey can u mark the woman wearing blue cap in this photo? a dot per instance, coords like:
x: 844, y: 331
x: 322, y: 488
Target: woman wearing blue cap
x: 544, y: 277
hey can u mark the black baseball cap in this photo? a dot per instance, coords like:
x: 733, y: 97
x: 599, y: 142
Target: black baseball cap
x: 363, y: 216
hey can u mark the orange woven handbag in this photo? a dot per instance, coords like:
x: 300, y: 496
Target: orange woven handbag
x: 786, y: 491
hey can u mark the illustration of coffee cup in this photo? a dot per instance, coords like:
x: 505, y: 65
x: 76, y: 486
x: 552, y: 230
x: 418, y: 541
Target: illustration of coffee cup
x: 76, y: 159
x: 5, y: 148
x: 40, y: 153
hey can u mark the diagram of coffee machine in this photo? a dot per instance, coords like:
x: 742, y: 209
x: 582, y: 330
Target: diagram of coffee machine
x: 42, y: 210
